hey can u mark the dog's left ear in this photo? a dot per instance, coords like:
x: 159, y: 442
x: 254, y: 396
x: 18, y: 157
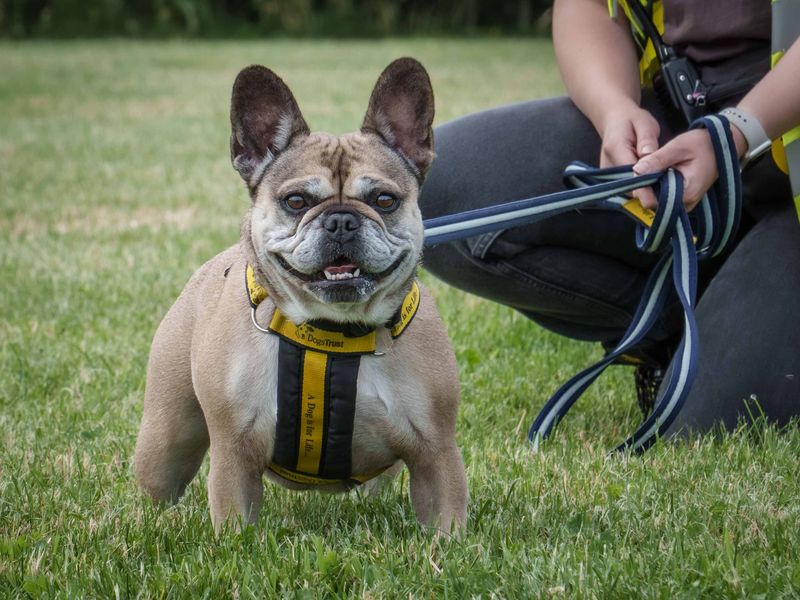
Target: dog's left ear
x: 264, y: 120
x: 401, y: 112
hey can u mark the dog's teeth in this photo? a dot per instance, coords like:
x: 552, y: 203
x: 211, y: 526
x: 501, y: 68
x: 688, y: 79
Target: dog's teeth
x: 332, y: 275
x: 339, y: 276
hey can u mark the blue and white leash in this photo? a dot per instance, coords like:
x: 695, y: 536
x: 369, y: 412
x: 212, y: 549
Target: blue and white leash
x: 671, y: 234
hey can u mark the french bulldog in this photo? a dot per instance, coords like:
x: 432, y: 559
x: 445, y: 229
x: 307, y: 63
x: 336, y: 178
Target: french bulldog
x: 333, y: 235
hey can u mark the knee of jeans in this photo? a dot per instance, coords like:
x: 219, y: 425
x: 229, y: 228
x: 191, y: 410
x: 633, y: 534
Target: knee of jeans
x: 434, y: 199
x: 441, y: 261
x: 466, y: 253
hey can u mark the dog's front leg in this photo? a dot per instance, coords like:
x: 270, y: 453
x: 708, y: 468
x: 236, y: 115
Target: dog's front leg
x: 235, y: 486
x: 439, y: 488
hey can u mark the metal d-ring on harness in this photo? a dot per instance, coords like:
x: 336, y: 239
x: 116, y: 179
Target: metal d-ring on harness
x: 679, y: 238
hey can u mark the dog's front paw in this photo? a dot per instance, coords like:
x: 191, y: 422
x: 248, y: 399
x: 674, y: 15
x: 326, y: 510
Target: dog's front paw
x: 439, y: 490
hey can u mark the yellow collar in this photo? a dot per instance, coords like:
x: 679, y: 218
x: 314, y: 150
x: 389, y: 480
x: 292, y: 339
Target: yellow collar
x: 326, y: 336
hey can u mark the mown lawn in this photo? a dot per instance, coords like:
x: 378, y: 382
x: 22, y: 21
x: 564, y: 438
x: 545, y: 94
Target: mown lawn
x: 115, y: 185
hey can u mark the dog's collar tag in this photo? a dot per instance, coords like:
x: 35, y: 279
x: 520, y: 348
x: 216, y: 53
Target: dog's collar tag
x: 318, y: 364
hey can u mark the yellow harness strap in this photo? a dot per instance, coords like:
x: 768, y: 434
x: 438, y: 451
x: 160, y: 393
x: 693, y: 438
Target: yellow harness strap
x: 318, y: 367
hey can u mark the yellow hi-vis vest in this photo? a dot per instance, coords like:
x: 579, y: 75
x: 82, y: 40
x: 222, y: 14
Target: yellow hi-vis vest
x: 648, y: 59
x: 785, y: 30
x: 786, y: 149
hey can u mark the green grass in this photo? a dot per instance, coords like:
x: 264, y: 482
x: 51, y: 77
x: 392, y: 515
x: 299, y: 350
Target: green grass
x: 115, y: 185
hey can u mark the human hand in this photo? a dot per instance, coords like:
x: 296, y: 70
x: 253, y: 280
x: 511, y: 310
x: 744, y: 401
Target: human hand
x: 629, y: 133
x: 692, y: 154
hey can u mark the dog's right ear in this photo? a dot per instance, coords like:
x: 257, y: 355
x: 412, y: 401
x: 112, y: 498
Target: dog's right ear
x: 264, y: 120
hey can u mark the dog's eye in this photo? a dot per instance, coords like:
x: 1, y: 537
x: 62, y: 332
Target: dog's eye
x: 294, y: 202
x: 386, y: 201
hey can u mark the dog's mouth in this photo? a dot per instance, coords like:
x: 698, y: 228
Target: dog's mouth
x: 341, y: 270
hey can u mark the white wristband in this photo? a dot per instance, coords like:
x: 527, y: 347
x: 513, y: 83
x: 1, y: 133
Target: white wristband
x: 753, y: 132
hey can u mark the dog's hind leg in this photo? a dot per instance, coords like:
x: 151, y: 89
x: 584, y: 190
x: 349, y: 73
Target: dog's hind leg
x: 374, y: 486
x: 173, y: 437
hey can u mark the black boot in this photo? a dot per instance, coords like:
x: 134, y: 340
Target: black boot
x: 648, y: 379
x: 650, y: 367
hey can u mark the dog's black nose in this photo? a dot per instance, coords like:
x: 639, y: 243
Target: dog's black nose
x: 342, y: 224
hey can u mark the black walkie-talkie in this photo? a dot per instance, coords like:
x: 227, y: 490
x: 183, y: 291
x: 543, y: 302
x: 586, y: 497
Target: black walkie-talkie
x: 677, y: 82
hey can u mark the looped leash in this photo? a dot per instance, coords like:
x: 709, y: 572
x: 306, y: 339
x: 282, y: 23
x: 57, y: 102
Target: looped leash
x: 680, y: 240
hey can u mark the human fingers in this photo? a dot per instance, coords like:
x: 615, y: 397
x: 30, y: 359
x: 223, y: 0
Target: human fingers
x: 646, y: 130
x: 646, y: 197
x: 628, y: 136
x: 617, y: 149
x: 652, y: 163
x: 692, y: 155
x: 618, y: 140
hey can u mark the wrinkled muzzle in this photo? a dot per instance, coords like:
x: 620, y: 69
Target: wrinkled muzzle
x: 344, y: 256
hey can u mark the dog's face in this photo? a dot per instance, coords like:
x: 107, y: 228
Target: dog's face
x: 334, y: 225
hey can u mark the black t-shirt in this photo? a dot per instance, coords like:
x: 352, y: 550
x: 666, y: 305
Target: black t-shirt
x: 728, y: 39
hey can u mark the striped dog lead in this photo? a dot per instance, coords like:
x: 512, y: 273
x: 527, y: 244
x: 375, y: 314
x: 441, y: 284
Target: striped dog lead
x: 680, y: 239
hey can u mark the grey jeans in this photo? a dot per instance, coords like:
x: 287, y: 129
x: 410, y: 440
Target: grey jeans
x: 581, y: 275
